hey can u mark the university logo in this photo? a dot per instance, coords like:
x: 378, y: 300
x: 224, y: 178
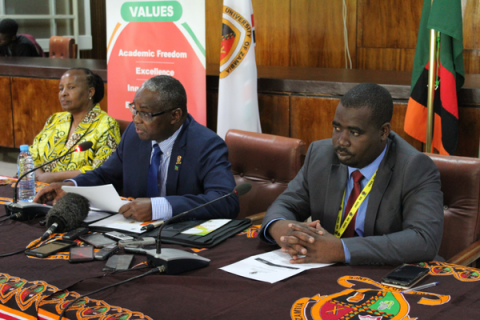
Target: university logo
x: 364, y: 304
x: 237, y: 38
x: 462, y: 273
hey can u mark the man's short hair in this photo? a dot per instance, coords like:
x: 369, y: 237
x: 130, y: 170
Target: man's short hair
x: 373, y: 96
x: 171, y: 92
x: 9, y: 27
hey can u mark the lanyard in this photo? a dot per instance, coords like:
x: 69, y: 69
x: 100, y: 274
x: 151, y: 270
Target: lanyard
x: 339, y: 230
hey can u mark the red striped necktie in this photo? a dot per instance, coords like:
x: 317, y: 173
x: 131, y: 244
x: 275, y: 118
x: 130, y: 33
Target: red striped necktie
x: 357, y: 188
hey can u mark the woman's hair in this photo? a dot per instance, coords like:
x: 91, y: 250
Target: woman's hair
x: 95, y: 81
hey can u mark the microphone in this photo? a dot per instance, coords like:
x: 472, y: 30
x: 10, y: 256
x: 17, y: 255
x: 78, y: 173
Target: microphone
x: 50, y: 230
x: 67, y: 214
x: 24, y: 210
x: 178, y: 261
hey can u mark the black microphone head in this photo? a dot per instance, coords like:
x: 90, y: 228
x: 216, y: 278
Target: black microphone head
x: 243, y: 188
x: 84, y: 146
x: 69, y: 212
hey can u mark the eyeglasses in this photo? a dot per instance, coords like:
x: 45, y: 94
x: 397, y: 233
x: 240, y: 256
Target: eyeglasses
x: 146, y: 116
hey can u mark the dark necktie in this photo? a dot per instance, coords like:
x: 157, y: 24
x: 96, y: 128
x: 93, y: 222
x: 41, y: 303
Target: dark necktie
x: 357, y: 188
x: 153, y: 173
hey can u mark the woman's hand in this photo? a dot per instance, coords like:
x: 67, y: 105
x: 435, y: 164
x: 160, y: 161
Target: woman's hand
x: 41, y: 175
x: 49, y: 177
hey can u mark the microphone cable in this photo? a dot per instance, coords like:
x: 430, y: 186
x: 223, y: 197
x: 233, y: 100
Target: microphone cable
x: 17, y: 216
x: 12, y: 253
x: 20, y: 251
x: 160, y: 269
x: 5, y: 218
x: 17, y: 252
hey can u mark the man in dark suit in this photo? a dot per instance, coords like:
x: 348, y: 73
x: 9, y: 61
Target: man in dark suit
x: 191, y: 167
x: 374, y: 199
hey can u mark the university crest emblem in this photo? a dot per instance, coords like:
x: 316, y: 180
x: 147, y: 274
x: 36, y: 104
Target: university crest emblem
x: 364, y: 304
x: 237, y: 38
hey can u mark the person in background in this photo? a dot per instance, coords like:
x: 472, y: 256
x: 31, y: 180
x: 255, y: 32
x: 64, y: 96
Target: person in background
x: 13, y: 45
x: 80, y: 91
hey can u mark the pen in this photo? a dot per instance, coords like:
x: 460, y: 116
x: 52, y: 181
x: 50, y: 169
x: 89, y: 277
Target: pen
x: 428, y: 285
x: 152, y: 225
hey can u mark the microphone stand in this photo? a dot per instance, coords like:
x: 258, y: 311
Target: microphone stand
x: 25, y: 210
x: 177, y: 261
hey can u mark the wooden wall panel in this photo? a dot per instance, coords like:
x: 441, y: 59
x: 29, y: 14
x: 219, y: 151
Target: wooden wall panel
x: 309, y: 33
x: 274, y: 114
x: 213, y: 29
x: 468, y: 131
x: 272, y: 32
x: 388, y: 24
x: 98, y: 17
x: 471, y: 25
x: 6, y: 137
x: 385, y: 59
x: 311, y: 117
x: 316, y: 36
x: 33, y: 100
x: 471, y: 61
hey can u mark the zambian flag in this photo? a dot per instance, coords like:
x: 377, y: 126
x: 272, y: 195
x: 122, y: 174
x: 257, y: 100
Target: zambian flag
x: 444, y: 16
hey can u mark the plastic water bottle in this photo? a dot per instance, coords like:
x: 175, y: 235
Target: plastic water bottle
x: 26, y: 186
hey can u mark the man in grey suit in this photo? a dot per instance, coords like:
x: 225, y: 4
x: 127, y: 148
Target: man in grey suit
x: 389, y: 190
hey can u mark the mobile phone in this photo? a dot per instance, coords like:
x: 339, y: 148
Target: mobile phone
x: 75, y: 233
x: 405, y: 276
x: 50, y: 248
x: 97, y: 240
x: 119, y: 262
x: 118, y: 236
x: 137, y: 242
x: 106, y: 252
x: 81, y: 254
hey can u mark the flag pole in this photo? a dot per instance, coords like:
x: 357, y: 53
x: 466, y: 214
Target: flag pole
x: 432, y: 72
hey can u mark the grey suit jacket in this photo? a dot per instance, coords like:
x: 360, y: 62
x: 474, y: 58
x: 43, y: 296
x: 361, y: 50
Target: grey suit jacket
x: 404, y: 217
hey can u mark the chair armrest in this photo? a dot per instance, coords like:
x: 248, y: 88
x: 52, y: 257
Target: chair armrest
x: 467, y: 255
x: 256, y: 218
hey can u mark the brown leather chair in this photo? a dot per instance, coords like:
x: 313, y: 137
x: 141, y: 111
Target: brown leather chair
x: 460, y: 178
x: 266, y: 161
x: 62, y: 48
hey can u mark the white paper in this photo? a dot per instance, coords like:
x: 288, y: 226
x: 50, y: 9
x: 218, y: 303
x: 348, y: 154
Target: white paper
x: 96, y: 215
x: 207, y: 227
x: 270, y: 267
x: 102, y: 197
x: 118, y: 222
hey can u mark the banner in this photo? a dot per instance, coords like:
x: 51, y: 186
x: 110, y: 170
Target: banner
x: 150, y: 38
x: 237, y: 92
x: 444, y: 16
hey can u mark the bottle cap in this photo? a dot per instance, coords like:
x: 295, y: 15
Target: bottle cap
x: 24, y: 147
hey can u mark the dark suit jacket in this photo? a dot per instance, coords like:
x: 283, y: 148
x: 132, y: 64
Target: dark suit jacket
x: 203, y: 173
x: 404, y: 218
